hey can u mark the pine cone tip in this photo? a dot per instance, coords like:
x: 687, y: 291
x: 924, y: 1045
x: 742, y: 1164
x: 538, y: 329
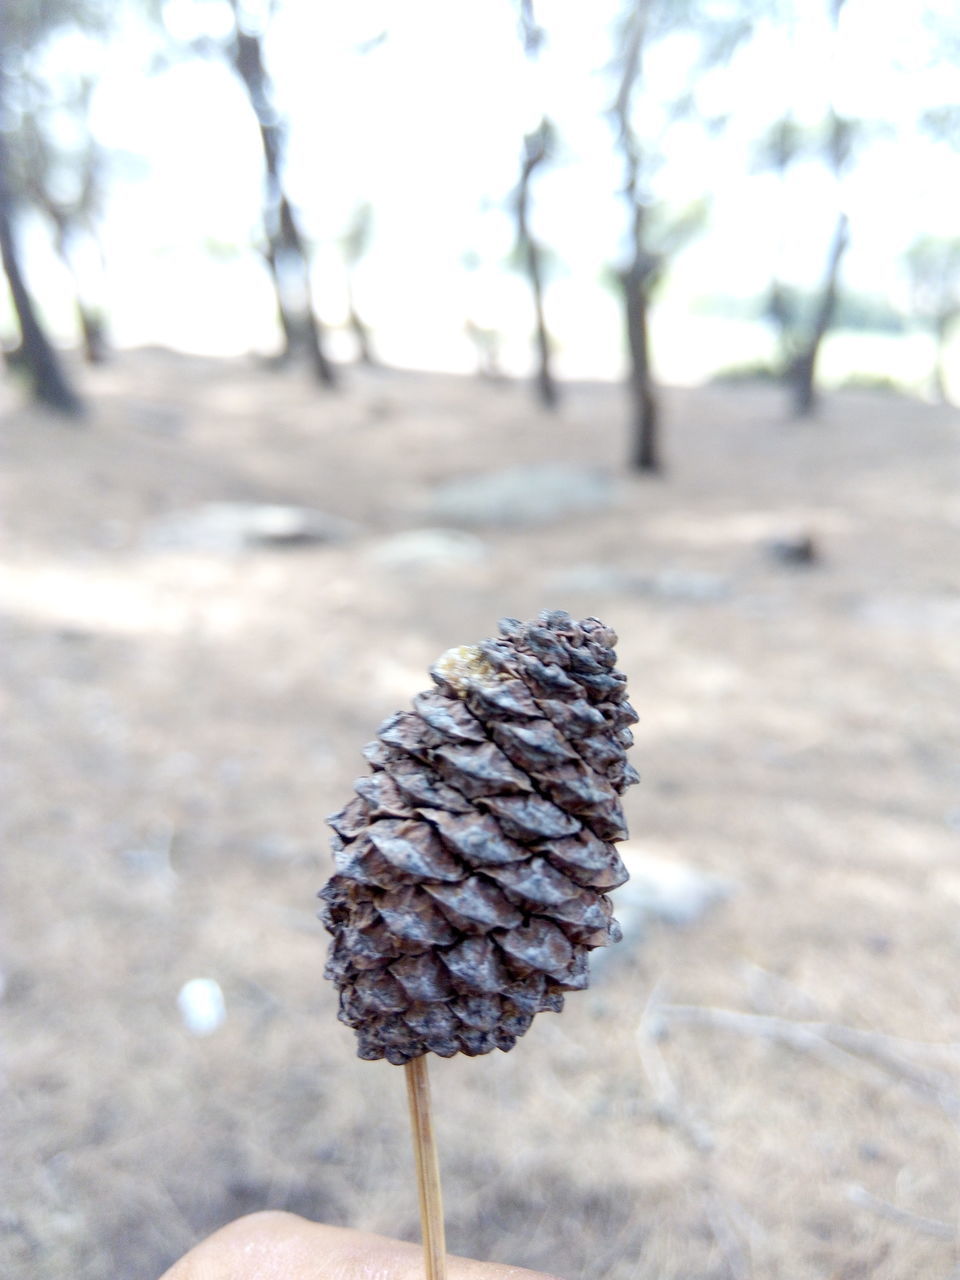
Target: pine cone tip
x: 463, y: 666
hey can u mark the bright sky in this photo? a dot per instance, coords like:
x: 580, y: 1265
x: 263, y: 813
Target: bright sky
x: 427, y: 127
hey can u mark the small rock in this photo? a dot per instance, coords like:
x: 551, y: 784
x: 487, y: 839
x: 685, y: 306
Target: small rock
x: 202, y: 1006
x: 15, y: 985
x: 151, y: 858
x: 275, y: 847
x: 523, y: 495
x: 684, y: 584
x: 798, y: 550
x: 593, y: 577
x: 660, y: 890
x: 147, y: 860
x: 668, y: 584
x: 240, y: 526
x: 73, y: 635
x: 428, y: 548
x: 156, y: 418
x: 665, y: 890
x: 910, y: 612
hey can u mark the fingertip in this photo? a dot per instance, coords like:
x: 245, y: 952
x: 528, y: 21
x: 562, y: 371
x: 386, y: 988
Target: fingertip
x: 275, y: 1245
x: 261, y: 1244
x: 267, y: 1222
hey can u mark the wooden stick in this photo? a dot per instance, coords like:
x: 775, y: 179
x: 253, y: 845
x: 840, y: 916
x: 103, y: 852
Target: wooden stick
x: 428, y: 1169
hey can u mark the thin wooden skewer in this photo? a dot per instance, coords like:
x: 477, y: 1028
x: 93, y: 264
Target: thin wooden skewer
x: 428, y: 1169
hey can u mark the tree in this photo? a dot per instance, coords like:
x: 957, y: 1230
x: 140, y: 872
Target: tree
x: 23, y: 29
x: 802, y: 326
x: 287, y: 253
x: 776, y: 152
x: 933, y: 262
x: 838, y: 136
x: 355, y: 243
x: 536, y: 151
x: 530, y: 253
x: 643, y: 267
x: 65, y: 185
x: 655, y: 234
x: 933, y: 266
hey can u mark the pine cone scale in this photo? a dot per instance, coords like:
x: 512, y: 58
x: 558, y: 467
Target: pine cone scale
x: 480, y: 770
x: 527, y: 818
x: 479, y: 840
x: 423, y: 978
x: 477, y: 965
x: 476, y: 900
x: 413, y: 847
x: 539, y: 944
x: 452, y: 719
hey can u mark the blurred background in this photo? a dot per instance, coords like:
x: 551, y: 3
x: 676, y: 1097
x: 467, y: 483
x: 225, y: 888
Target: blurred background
x: 335, y: 333
x: 181, y: 171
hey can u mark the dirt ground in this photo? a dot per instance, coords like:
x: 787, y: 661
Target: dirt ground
x: 177, y: 723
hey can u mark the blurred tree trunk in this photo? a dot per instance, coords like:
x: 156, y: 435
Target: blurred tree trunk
x: 834, y: 141
x: 96, y: 349
x: 93, y: 327
x: 355, y: 244
x: 933, y: 265
x: 535, y: 147
x: 36, y: 354
x: 645, y: 416
x: 643, y: 268
x: 44, y: 175
x: 939, y: 376
x: 361, y: 333
x: 804, y: 367
x: 287, y: 255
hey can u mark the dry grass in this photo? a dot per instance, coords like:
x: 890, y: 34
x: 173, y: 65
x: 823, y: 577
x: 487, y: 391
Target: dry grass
x: 175, y: 727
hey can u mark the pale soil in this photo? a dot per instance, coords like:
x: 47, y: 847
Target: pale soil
x: 177, y: 725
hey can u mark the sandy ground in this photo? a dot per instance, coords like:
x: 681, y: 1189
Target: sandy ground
x: 177, y: 723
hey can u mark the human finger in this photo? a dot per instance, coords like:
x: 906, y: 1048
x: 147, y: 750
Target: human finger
x: 282, y: 1246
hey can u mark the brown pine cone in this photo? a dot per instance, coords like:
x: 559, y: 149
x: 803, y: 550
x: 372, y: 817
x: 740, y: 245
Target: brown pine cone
x: 472, y: 863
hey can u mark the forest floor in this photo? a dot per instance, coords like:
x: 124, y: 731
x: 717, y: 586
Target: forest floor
x: 178, y: 720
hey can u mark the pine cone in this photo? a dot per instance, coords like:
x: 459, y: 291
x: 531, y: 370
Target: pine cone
x: 472, y: 863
